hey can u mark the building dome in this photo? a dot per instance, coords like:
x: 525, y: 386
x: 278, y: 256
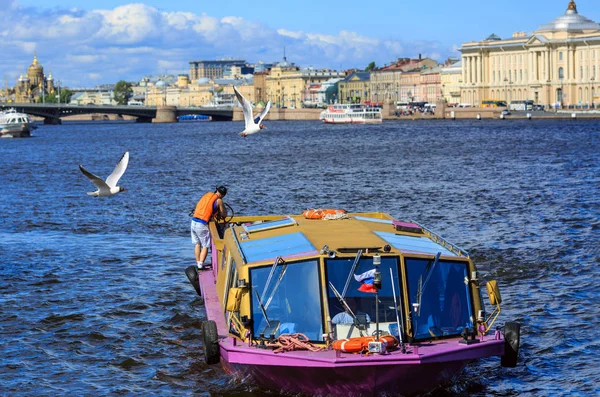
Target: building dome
x: 160, y: 83
x: 35, y: 65
x: 570, y: 21
x: 203, y: 80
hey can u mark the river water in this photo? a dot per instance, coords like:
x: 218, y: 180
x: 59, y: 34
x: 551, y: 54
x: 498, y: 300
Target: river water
x: 94, y: 301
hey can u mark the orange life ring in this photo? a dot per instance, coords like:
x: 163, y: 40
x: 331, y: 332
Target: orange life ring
x: 321, y: 213
x: 361, y: 344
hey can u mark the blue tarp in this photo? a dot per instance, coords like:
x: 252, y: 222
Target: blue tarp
x: 272, y: 247
x: 414, y: 244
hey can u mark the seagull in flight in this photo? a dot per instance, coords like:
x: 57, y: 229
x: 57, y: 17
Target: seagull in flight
x: 109, y: 187
x: 253, y: 125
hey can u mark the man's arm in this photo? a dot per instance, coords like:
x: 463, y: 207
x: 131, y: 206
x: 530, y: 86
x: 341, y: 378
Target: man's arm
x: 222, y: 210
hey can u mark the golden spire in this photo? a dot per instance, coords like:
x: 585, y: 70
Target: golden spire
x: 572, y: 6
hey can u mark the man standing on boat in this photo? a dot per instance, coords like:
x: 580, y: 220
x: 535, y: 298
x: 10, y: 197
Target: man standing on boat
x: 211, y: 204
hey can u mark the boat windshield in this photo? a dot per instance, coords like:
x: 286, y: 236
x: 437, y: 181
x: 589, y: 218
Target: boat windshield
x: 439, y: 296
x: 359, y: 300
x: 292, y: 299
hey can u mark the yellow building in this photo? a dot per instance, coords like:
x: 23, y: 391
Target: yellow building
x: 286, y: 83
x: 355, y: 88
x: 555, y: 66
x: 451, y: 80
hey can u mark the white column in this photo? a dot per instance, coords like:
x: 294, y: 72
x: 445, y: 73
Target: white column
x: 479, y: 69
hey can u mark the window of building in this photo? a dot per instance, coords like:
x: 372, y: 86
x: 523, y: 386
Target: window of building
x: 521, y: 75
x: 560, y: 56
x: 581, y: 72
x: 561, y: 74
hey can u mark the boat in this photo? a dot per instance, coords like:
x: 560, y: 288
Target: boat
x: 345, y: 304
x: 15, y: 125
x: 351, y: 114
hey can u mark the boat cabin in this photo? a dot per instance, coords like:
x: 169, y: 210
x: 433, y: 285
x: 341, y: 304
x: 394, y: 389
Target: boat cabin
x: 356, y: 275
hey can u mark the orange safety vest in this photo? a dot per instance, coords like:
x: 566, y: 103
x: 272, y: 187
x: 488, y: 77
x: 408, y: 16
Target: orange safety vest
x: 204, y: 208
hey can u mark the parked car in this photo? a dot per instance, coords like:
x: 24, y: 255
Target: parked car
x: 505, y: 112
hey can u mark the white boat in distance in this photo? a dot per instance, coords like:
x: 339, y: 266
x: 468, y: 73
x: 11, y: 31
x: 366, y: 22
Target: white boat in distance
x: 351, y: 114
x: 15, y: 125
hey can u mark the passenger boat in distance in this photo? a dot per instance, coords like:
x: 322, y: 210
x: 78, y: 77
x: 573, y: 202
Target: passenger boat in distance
x: 15, y: 125
x: 345, y: 304
x: 351, y: 114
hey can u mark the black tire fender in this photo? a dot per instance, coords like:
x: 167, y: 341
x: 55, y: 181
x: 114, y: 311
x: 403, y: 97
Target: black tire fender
x: 210, y: 340
x: 192, y: 274
x: 512, y: 339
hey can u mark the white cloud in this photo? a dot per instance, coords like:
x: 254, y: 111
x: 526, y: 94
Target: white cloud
x: 133, y: 40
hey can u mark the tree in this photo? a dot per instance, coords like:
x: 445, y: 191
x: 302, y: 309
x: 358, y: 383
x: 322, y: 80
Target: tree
x: 65, y: 96
x: 122, y: 92
x: 370, y: 67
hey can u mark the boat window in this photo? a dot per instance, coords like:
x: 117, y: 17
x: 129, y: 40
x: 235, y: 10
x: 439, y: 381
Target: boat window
x: 439, y: 296
x: 362, y: 303
x: 269, y: 225
x: 292, y: 298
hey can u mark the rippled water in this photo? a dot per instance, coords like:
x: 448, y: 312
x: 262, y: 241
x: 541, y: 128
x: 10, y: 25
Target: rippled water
x: 94, y: 301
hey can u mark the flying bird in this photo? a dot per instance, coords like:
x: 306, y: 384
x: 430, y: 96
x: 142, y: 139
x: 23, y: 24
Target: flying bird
x: 253, y: 125
x: 109, y: 187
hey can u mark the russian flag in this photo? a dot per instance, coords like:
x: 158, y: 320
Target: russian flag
x: 366, y: 281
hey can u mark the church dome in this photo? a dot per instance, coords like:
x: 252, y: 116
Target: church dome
x: 203, y: 80
x: 570, y: 21
x: 35, y: 65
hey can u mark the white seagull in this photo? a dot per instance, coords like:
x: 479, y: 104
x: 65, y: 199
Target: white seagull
x: 253, y: 125
x: 109, y: 187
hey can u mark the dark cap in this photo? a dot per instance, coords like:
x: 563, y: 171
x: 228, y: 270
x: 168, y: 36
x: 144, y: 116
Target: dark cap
x: 222, y: 190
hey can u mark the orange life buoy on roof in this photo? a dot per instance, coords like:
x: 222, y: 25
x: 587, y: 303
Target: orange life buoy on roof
x: 361, y: 344
x: 321, y: 213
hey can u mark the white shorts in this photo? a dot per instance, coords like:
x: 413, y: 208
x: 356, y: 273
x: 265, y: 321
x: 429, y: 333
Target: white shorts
x: 200, y: 234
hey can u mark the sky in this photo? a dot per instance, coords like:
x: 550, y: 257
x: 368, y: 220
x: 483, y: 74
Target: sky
x: 91, y: 42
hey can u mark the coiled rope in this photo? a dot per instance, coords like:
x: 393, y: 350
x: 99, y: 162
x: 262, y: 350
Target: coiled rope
x: 290, y: 342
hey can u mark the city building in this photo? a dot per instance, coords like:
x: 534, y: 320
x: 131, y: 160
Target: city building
x: 431, y: 85
x: 286, y: 82
x: 215, y: 69
x: 451, y: 80
x: 388, y: 83
x: 355, y: 88
x: 555, y: 66
x: 260, y: 86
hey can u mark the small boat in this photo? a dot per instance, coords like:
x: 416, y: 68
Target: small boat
x: 15, y: 125
x: 351, y: 114
x: 345, y: 304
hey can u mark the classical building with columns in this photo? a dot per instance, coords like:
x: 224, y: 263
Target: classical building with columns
x: 555, y: 66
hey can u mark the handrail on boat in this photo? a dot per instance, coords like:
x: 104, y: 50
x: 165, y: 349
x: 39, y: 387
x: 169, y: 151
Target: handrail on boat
x: 442, y: 241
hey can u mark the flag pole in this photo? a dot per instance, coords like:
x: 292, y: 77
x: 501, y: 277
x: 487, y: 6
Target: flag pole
x: 377, y: 285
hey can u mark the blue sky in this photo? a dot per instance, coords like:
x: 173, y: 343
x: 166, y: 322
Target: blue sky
x: 85, y: 43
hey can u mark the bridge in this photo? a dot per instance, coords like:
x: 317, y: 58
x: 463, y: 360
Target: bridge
x: 52, y: 112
